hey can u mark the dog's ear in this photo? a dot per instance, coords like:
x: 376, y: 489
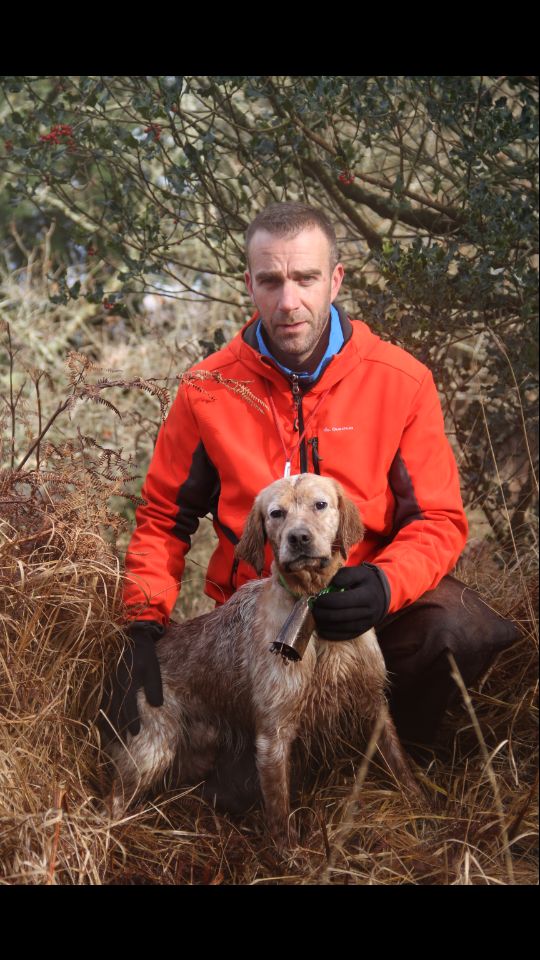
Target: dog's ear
x: 250, y: 547
x: 351, y: 528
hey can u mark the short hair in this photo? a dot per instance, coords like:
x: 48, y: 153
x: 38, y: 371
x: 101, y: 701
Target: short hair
x: 288, y: 219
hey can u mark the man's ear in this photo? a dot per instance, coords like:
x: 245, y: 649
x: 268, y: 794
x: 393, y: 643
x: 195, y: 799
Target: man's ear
x: 337, y: 279
x: 250, y: 547
x: 351, y: 528
x: 249, y: 285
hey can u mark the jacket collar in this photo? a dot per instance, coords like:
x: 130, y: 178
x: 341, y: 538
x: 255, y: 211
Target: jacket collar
x: 335, y: 340
x: 359, y: 341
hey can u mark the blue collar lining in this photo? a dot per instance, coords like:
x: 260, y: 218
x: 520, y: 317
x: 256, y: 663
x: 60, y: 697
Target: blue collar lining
x: 335, y: 343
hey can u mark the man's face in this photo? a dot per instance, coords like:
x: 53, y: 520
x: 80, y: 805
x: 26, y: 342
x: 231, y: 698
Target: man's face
x: 292, y: 284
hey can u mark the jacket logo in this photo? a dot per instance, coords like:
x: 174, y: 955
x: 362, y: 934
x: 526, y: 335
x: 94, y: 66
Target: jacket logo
x: 335, y: 429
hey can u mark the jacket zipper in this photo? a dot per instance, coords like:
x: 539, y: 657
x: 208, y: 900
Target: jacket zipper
x: 299, y: 421
x: 315, y: 454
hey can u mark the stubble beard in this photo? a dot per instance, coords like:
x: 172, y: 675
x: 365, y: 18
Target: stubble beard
x: 302, y: 350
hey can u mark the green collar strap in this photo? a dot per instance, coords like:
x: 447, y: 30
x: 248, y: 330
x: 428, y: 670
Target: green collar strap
x: 310, y: 600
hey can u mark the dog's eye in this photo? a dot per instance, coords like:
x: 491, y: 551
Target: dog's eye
x: 321, y: 504
x: 276, y: 514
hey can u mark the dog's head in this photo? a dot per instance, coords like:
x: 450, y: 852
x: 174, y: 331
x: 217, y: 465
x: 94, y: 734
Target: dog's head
x: 310, y: 524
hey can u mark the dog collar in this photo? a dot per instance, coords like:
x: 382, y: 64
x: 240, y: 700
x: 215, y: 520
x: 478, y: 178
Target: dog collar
x: 311, y: 600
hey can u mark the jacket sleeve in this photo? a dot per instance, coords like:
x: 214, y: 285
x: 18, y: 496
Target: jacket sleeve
x: 179, y: 488
x: 430, y: 526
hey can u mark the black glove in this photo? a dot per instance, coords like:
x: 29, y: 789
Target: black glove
x: 362, y: 604
x: 139, y: 667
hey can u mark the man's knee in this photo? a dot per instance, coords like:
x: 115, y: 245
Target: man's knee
x: 450, y: 619
x: 416, y: 643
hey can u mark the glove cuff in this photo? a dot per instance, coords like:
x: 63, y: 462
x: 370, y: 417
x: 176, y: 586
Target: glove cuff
x: 145, y: 630
x: 383, y: 580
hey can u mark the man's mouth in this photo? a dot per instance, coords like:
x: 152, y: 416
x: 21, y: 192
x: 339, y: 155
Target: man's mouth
x: 291, y: 326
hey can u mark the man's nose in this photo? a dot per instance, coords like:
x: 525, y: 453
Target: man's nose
x: 289, y: 299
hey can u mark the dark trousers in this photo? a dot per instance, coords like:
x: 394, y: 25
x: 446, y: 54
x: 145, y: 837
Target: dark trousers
x: 415, y: 643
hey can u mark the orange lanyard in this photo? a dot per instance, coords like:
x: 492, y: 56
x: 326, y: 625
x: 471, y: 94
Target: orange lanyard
x: 295, y: 446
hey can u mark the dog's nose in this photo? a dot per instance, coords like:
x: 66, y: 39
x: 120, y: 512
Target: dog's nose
x: 301, y: 537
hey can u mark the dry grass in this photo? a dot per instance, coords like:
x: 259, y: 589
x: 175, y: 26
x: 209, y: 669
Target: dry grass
x: 59, y: 587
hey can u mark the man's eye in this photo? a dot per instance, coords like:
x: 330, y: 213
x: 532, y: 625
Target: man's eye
x: 321, y: 504
x: 276, y: 514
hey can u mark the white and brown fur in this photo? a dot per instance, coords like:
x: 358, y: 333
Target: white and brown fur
x: 224, y: 689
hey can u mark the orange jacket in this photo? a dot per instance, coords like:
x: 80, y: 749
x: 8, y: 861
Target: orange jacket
x: 373, y: 421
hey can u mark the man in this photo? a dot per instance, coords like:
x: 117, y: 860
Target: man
x: 336, y: 400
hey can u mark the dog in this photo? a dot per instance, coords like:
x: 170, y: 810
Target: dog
x: 225, y: 693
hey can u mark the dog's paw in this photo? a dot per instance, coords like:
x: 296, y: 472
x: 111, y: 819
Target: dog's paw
x: 114, y: 804
x: 290, y: 854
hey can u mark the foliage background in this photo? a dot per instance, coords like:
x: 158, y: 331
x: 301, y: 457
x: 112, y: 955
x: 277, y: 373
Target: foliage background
x: 123, y: 205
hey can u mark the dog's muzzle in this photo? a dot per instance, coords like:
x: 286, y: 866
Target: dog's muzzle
x: 305, y: 562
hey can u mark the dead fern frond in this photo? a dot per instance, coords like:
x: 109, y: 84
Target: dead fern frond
x: 37, y: 374
x: 86, y: 363
x: 37, y: 479
x: 67, y: 449
x: 72, y: 402
x: 136, y: 501
x: 160, y: 393
x: 78, y: 364
x: 85, y: 440
x: 93, y: 398
x: 192, y: 377
x: 105, y: 461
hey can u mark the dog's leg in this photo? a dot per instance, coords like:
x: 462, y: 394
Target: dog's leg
x: 395, y: 757
x: 233, y: 784
x: 273, y: 751
x: 140, y: 762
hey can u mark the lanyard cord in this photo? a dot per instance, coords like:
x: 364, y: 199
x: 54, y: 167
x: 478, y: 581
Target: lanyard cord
x: 294, y: 448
